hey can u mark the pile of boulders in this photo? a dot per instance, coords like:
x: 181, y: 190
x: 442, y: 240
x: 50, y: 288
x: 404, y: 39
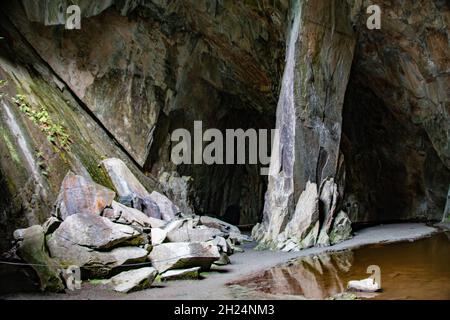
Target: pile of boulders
x: 128, y: 238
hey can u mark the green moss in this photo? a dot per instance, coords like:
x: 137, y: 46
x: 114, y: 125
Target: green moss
x: 10, y: 146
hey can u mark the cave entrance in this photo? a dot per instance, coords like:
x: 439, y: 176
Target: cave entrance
x: 233, y: 192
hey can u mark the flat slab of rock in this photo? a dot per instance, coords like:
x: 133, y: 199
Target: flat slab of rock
x: 180, y: 255
x: 134, y: 280
x: 125, y: 182
x: 219, y: 224
x: 158, y: 236
x: 94, y: 231
x: 120, y: 213
x: 167, y: 208
x: 186, y: 234
x: 95, y: 263
x: 32, y: 250
x: 78, y: 194
x: 181, y: 274
x: 131, y: 192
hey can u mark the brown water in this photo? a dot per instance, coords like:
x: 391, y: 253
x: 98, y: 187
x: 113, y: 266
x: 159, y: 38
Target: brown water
x: 409, y: 270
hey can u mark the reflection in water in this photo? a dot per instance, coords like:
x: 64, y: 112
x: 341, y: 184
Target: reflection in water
x: 409, y: 270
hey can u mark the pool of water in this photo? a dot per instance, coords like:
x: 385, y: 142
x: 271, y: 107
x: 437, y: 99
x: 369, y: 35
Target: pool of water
x: 408, y: 270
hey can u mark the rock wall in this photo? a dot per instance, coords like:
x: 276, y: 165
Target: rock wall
x: 396, y: 116
x: 146, y: 68
x: 395, y: 122
x: 306, y: 155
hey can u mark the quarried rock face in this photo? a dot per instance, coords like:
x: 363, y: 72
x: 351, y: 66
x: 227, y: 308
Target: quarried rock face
x: 396, y: 114
x: 309, y: 118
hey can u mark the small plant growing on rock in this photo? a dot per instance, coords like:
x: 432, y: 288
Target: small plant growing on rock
x: 55, y: 132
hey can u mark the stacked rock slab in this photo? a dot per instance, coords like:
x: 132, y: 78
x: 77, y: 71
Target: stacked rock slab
x: 132, y: 193
x: 101, y: 237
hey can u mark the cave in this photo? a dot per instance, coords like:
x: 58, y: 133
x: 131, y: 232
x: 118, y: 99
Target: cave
x: 88, y: 115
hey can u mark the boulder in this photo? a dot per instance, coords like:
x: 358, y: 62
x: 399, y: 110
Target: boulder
x: 131, y: 192
x: 32, y: 249
x: 365, y: 285
x: 78, y: 194
x: 178, y: 255
x: 158, y: 236
x: 120, y: 213
x: 93, y: 263
x: 187, y: 234
x: 148, y: 206
x: 133, y: 280
x: 181, y: 274
x: 342, y: 228
x: 177, y: 188
x: 224, y: 260
x: 219, y: 224
x: 174, y: 225
x: 238, y: 238
x: 167, y: 208
x: 95, y: 232
x: 223, y: 245
x: 124, y: 181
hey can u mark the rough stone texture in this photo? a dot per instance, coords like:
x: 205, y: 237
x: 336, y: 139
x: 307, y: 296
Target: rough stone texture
x: 223, y: 261
x: 178, y: 255
x: 396, y: 130
x: 93, y: 263
x: 94, y: 232
x: 125, y: 183
x: 79, y: 195
x: 178, y: 189
x: 119, y: 213
x: 167, y: 208
x: 305, y: 217
x: 32, y: 167
x: 133, y: 280
x: 189, y: 234
x: 446, y: 216
x: 342, y: 229
x: 158, y: 236
x: 318, y: 61
x: 177, y: 62
x: 181, y: 274
x: 218, y: 224
x: 32, y: 250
